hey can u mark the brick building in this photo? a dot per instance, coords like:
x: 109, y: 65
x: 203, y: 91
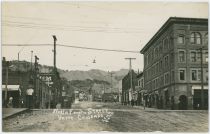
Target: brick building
x: 172, y: 64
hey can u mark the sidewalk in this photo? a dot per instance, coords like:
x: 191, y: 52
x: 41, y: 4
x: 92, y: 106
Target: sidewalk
x: 9, y: 112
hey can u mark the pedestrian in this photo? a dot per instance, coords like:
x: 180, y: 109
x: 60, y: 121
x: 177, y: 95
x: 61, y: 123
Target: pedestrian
x: 144, y: 103
x: 132, y: 102
x: 10, y: 103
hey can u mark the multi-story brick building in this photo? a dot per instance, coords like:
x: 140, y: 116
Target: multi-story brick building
x: 172, y: 64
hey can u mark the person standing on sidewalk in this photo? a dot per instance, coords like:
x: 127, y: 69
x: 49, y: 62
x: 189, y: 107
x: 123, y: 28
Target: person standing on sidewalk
x: 144, y: 103
x: 10, y: 103
x: 132, y: 102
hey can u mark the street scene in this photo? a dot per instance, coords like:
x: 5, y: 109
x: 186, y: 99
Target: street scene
x: 124, y: 119
x: 105, y: 67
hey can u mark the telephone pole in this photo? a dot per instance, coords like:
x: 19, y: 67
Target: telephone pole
x: 31, y: 59
x: 131, y: 78
x: 130, y: 69
x: 55, y: 39
x: 6, y: 82
x: 36, y: 70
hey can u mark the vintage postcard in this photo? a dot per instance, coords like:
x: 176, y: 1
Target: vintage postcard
x: 111, y: 66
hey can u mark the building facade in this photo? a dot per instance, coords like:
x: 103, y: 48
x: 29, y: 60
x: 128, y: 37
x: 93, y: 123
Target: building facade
x: 140, y: 89
x: 174, y: 60
x: 120, y: 90
x: 128, y: 87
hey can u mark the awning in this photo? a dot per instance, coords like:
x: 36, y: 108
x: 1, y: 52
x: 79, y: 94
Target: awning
x: 11, y: 87
x: 199, y: 87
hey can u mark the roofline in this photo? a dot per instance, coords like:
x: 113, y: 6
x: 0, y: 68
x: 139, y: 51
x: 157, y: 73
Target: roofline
x: 171, y: 21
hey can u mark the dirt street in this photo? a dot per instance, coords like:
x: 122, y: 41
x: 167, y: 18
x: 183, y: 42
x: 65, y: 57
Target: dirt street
x: 107, y: 117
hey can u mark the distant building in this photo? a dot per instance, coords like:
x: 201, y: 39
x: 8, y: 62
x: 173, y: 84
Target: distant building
x: 128, y: 91
x: 140, y: 89
x: 120, y: 90
x: 172, y: 64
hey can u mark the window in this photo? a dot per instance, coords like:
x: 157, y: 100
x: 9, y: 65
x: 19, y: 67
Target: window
x: 193, y: 56
x: 181, y: 74
x: 181, y: 56
x: 172, y: 76
x: 152, y: 55
x: 156, y: 52
x: 207, y: 75
x: 194, y: 75
x: 166, y: 61
x: 172, y: 57
x: 157, y: 67
x: 165, y: 44
x: 206, y: 57
x: 206, y: 39
x: 166, y: 78
x: 171, y: 42
x: 161, y: 48
x: 198, y: 56
x: 195, y: 38
x: 161, y: 65
x: 180, y: 39
x: 156, y: 85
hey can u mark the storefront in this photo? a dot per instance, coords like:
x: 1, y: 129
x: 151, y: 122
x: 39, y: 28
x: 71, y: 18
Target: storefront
x: 14, y: 92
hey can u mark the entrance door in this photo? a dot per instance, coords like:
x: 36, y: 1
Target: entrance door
x: 197, y: 99
x: 183, y: 102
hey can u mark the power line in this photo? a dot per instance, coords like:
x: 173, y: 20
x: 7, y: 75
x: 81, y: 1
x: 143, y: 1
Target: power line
x: 72, y: 28
x: 80, y: 47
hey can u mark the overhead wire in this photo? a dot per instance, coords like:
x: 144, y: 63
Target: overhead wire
x: 71, y: 46
x: 71, y: 28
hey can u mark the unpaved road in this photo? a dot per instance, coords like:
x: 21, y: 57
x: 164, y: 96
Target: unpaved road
x: 124, y: 119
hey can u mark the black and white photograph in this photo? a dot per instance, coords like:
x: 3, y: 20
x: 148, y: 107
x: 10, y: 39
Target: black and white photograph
x: 104, y: 66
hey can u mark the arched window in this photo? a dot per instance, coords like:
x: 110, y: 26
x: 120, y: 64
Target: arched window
x: 165, y: 44
x: 195, y: 38
x: 206, y: 39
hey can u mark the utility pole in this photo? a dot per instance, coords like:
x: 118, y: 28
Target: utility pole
x: 130, y: 70
x: 36, y: 69
x: 202, y: 92
x: 31, y: 59
x: 55, y: 39
x: 6, y: 82
x: 55, y: 70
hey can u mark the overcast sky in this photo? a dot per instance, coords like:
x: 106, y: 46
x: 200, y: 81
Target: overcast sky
x: 108, y: 25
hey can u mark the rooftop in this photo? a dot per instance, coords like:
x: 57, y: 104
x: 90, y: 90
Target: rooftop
x: 169, y: 22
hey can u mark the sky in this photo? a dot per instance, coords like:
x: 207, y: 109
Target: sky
x: 105, y: 25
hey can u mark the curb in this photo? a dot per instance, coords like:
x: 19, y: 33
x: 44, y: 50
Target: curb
x: 15, y: 114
